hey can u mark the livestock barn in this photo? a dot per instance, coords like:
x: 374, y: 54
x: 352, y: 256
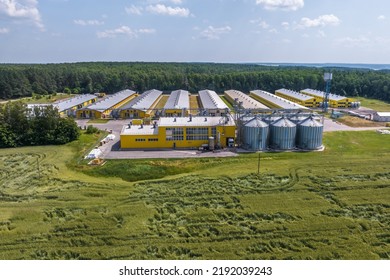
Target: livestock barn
x: 104, y: 107
x: 178, y: 104
x: 141, y: 106
x: 274, y: 102
x: 299, y: 98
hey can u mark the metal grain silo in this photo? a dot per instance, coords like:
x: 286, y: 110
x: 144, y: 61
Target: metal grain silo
x: 309, y: 134
x: 271, y: 118
x: 256, y: 135
x: 283, y: 134
x: 297, y: 118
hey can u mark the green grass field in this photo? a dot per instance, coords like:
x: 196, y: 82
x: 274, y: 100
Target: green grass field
x: 320, y: 205
x: 374, y: 104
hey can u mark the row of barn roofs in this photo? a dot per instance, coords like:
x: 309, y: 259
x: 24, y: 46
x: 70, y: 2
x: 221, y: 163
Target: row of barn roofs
x: 128, y: 104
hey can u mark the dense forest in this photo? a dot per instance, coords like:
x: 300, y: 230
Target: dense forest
x: 20, y: 126
x: 18, y: 80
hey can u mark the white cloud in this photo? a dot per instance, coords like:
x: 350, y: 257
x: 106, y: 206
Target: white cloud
x: 124, y: 31
x: 214, y: 33
x: 134, y: 10
x: 146, y: 31
x: 88, y: 22
x: 259, y: 22
x: 321, y: 34
x: 353, y: 42
x: 285, y: 25
x: 169, y: 11
x: 281, y: 4
x: 22, y: 10
x: 177, y: 2
x: 273, y: 31
x: 321, y: 21
x: 381, y: 17
x: 4, y: 30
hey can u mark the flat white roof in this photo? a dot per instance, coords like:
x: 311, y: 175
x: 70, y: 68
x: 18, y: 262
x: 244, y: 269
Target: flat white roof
x: 277, y: 100
x: 74, y: 101
x: 196, y: 121
x: 111, y: 100
x: 247, y: 101
x: 177, y: 122
x: 144, y: 101
x: 321, y: 94
x: 138, y: 130
x: 294, y: 94
x: 179, y: 99
x: 211, y: 100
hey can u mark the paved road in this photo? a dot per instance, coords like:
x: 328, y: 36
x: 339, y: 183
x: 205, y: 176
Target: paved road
x: 111, y: 150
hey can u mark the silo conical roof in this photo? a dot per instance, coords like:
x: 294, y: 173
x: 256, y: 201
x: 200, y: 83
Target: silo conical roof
x: 283, y: 122
x: 256, y: 123
x: 311, y: 122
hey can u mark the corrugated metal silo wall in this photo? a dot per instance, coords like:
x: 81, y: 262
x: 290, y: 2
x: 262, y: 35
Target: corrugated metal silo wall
x: 283, y: 138
x: 309, y: 138
x: 256, y: 138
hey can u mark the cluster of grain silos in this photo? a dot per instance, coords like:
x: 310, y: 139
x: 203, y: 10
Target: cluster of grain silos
x: 282, y: 133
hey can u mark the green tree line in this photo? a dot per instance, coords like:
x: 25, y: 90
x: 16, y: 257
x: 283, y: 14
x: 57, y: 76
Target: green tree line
x: 20, y: 126
x: 19, y: 80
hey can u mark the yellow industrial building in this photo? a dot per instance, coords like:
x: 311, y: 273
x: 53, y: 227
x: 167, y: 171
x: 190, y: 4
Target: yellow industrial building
x: 245, y: 100
x: 299, y: 98
x: 70, y: 106
x: 275, y: 102
x: 212, y: 104
x: 177, y: 104
x: 180, y: 132
x: 141, y: 106
x: 104, y: 108
x: 335, y: 101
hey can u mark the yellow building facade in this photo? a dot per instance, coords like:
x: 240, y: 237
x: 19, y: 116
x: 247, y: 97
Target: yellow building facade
x: 335, y: 101
x: 183, y: 132
x: 103, y: 108
x: 299, y: 98
x: 177, y: 104
x: 70, y: 106
x: 142, y: 106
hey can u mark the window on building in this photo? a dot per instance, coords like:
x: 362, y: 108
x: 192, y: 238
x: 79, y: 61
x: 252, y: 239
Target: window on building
x: 197, y: 133
x: 140, y: 139
x: 174, y: 134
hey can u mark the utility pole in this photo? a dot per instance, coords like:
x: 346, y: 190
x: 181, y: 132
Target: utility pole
x: 258, y: 165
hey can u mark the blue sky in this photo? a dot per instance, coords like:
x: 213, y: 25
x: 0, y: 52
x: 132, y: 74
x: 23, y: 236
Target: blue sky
x: 317, y: 31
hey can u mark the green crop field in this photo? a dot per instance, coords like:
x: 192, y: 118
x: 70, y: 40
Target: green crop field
x: 320, y: 205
